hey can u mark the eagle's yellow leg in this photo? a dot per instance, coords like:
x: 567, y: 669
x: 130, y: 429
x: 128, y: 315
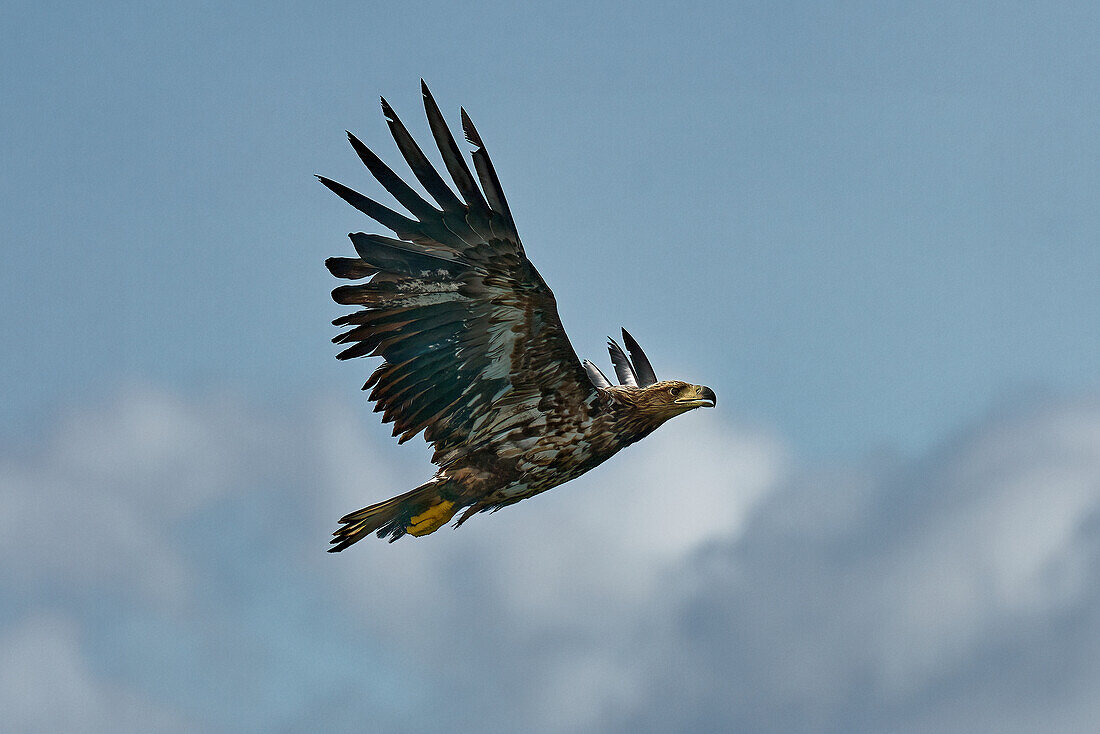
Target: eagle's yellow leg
x: 432, y: 518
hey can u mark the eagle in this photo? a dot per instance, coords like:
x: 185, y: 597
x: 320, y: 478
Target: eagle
x: 474, y: 353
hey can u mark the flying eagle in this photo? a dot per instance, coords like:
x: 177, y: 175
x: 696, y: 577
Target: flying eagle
x: 474, y: 353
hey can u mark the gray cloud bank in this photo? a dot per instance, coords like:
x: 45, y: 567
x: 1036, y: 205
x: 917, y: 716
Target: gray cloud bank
x: 163, y: 569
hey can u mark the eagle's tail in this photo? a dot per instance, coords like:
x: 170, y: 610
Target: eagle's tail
x: 417, y: 512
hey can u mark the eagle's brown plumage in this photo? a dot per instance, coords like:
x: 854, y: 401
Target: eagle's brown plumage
x: 475, y: 356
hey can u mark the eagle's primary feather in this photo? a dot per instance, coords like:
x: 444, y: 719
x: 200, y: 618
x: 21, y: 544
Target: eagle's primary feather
x: 474, y: 354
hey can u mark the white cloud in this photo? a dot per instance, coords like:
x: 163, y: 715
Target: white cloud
x: 700, y: 580
x: 946, y: 566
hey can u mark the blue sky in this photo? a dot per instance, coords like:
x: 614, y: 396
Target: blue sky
x: 871, y: 228
x: 863, y: 225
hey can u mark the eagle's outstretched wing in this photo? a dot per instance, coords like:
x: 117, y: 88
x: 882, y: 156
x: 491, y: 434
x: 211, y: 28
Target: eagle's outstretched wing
x: 468, y: 329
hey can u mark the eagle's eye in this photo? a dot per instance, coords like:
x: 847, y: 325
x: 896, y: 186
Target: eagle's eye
x: 674, y: 391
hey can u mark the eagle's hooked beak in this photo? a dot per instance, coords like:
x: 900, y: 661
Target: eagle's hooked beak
x: 704, y: 397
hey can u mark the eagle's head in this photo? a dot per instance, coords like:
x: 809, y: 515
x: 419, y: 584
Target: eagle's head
x: 677, y: 396
x: 642, y: 391
x: 665, y: 399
